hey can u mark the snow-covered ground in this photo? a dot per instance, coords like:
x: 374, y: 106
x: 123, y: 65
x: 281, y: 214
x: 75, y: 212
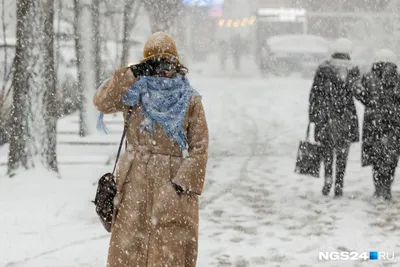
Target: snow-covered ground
x: 255, y: 211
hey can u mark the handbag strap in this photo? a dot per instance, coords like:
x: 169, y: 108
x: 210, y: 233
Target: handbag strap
x: 126, y: 124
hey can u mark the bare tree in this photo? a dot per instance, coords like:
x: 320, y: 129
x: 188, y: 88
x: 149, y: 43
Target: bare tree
x: 3, y: 16
x: 58, y: 31
x: 79, y: 56
x: 85, y: 63
x: 162, y: 13
x: 113, y: 14
x: 30, y: 141
x: 50, y: 93
x: 96, y: 41
x: 20, y: 151
x: 6, y: 69
x: 3, y: 94
x: 131, y: 12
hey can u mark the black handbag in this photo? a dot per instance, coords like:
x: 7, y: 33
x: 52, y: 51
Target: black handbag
x: 309, y: 158
x: 107, y: 187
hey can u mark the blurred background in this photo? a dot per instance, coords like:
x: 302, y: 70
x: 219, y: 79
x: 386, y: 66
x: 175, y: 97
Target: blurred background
x: 252, y: 60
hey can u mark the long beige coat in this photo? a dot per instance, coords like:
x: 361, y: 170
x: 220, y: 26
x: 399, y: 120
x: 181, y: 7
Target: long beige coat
x: 154, y: 226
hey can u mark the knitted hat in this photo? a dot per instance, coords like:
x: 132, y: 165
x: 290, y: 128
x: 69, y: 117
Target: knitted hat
x: 342, y: 46
x: 385, y: 55
x: 160, y: 45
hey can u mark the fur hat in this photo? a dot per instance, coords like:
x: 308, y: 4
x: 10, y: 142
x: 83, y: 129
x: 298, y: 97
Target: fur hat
x: 385, y: 55
x: 342, y: 46
x: 160, y: 45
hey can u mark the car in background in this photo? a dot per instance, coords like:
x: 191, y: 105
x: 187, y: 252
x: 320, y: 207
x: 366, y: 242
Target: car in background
x: 285, y: 54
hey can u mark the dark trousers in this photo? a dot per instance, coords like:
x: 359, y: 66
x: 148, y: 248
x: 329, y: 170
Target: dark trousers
x: 223, y: 56
x: 383, y: 175
x: 341, y: 150
x: 236, y: 58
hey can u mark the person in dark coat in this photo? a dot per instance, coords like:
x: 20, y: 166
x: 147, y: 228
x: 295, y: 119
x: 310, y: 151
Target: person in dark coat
x: 237, y: 50
x: 332, y: 112
x: 381, y: 127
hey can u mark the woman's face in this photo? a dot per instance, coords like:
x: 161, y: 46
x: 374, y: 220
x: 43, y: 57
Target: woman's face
x: 165, y: 73
x: 165, y: 69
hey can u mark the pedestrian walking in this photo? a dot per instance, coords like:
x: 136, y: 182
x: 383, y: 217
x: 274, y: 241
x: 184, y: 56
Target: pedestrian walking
x: 332, y: 112
x: 379, y: 93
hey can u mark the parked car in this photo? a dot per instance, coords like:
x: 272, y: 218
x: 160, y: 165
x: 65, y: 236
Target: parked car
x: 284, y: 54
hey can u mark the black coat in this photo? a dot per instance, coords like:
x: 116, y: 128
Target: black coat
x: 332, y: 107
x: 381, y: 127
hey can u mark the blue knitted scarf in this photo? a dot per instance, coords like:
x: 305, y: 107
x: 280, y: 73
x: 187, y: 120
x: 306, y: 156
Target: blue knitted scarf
x: 164, y: 101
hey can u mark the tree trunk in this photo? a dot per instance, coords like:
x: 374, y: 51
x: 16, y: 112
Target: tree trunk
x: 131, y: 12
x: 19, y: 154
x: 126, y: 30
x: 85, y: 64
x: 58, y: 32
x: 33, y: 76
x: 96, y: 41
x: 50, y: 94
x: 79, y: 57
x: 3, y: 16
x: 162, y: 13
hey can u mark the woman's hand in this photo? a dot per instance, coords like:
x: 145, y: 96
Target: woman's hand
x: 179, y: 190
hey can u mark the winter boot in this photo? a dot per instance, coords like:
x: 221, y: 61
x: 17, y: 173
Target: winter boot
x: 339, y: 187
x: 378, y: 191
x: 386, y: 193
x: 327, y: 186
x: 338, y: 191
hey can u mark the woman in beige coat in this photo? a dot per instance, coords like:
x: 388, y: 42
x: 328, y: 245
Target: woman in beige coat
x: 157, y: 214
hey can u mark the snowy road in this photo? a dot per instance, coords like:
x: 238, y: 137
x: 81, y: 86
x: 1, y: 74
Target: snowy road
x: 254, y: 211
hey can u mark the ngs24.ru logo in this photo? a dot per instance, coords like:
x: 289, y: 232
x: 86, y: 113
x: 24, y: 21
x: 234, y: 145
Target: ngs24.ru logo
x: 352, y: 255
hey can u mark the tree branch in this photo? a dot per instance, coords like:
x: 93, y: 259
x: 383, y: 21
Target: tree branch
x: 126, y: 26
x: 3, y: 16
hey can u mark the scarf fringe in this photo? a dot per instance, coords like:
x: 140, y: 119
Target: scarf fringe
x: 101, y: 126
